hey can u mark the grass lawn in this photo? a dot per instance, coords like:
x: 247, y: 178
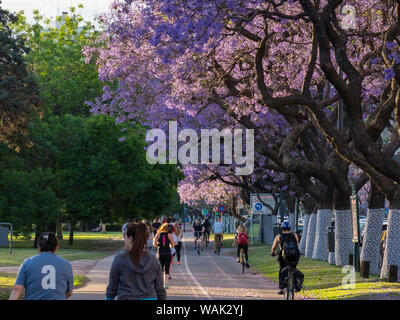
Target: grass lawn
x: 322, y: 280
x: 87, y: 245
x: 7, y: 282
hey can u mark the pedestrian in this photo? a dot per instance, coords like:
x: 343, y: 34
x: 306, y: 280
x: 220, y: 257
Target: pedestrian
x: 44, y: 276
x: 164, y: 241
x: 171, y: 231
x: 135, y: 273
x: 156, y: 224
x: 123, y: 229
x: 179, y: 237
x: 150, y: 235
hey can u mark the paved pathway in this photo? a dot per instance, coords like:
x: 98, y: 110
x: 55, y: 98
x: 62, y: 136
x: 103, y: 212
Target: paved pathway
x: 207, y: 276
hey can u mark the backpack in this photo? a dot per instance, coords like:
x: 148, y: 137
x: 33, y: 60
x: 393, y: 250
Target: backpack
x: 242, y: 238
x: 289, y: 248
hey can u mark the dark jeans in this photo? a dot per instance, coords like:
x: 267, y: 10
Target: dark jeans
x: 178, y: 250
x: 244, y: 247
x: 282, y: 265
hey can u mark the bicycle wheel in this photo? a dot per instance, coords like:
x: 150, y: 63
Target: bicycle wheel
x: 198, y: 247
x: 292, y: 288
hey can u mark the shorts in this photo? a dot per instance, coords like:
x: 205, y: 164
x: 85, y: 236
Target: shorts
x: 198, y: 234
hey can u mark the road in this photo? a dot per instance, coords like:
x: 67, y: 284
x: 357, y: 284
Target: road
x: 199, y: 277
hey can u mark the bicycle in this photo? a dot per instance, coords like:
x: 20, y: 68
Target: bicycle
x: 198, y: 242
x: 218, y: 247
x: 242, y: 259
x: 290, y: 286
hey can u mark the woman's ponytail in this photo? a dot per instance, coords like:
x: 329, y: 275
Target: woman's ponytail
x: 139, y: 234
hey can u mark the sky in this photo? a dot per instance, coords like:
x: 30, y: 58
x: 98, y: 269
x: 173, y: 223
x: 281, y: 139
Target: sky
x: 52, y: 8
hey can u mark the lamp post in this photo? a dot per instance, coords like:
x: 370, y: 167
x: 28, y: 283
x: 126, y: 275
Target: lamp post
x: 296, y: 215
x: 356, y: 227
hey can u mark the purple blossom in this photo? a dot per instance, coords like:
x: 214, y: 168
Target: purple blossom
x: 389, y: 74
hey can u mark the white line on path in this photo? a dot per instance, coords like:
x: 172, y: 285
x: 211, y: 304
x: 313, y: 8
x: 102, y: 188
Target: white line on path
x: 193, y: 277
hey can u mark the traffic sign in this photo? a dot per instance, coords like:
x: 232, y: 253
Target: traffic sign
x: 221, y: 209
x: 256, y: 207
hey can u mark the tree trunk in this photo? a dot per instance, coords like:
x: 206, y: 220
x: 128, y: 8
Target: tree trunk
x: 71, y: 234
x: 59, y: 231
x: 373, y: 229
x: 302, y: 246
x: 311, y: 235
x: 37, y: 235
x: 292, y: 221
x: 324, y: 218
x: 343, y: 236
x: 392, y: 245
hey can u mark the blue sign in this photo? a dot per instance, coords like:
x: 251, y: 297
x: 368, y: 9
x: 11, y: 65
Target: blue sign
x: 258, y: 206
x: 221, y: 208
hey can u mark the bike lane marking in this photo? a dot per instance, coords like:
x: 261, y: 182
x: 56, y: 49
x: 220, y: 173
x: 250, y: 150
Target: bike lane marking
x: 202, y: 289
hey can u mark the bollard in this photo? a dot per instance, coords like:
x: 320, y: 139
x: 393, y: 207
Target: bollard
x: 331, y: 237
x: 392, y: 277
x: 350, y: 259
x: 364, y: 271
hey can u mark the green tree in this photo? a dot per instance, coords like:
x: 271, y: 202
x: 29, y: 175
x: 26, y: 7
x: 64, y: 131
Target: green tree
x: 18, y: 90
x: 57, y: 63
x: 26, y: 198
x: 100, y: 174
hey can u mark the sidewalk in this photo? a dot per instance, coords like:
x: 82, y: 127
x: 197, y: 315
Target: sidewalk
x: 95, y: 289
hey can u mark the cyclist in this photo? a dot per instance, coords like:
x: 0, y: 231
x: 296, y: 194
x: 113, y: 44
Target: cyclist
x: 218, y: 229
x: 44, y: 276
x: 207, y: 228
x: 198, y: 229
x: 242, y: 241
x: 289, y: 238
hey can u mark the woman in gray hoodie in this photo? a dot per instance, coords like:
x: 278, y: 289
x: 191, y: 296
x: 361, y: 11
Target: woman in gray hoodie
x: 135, y: 273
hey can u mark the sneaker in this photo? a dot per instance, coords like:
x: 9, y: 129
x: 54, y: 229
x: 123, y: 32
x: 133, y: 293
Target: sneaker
x: 215, y: 251
x: 238, y: 260
x: 166, y: 286
x: 247, y: 265
x: 179, y: 263
x: 280, y: 291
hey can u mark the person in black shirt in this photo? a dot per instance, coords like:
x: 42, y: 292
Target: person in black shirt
x: 280, y: 239
x: 198, y: 229
x: 207, y: 227
x: 156, y: 225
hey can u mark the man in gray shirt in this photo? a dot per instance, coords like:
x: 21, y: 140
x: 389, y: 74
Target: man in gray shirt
x: 44, y: 276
